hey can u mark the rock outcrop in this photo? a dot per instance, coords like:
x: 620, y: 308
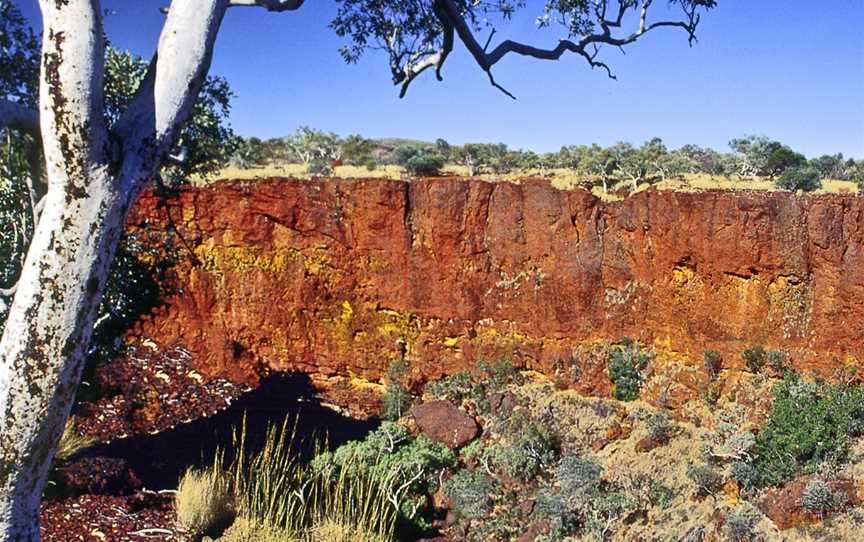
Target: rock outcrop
x: 338, y: 277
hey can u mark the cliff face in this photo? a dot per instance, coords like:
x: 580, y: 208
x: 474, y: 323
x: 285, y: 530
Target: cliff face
x: 341, y: 276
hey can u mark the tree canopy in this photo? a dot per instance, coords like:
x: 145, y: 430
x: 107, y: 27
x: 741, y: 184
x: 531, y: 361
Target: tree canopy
x: 419, y: 34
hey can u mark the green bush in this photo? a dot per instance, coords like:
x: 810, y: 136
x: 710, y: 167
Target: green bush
x: 661, y: 495
x: 391, y: 452
x: 499, y: 374
x: 776, y: 361
x: 454, y: 388
x: 531, y: 448
x: 810, y: 424
x: 806, y: 179
x: 741, y: 522
x: 418, y: 160
x: 706, y: 479
x: 713, y: 362
x: 626, y: 363
x: 818, y: 498
x: 470, y: 492
x: 563, y: 519
x: 584, y: 501
x: 319, y: 167
x: 577, y: 474
x: 660, y: 427
x: 745, y: 474
x: 396, y: 399
x: 755, y: 358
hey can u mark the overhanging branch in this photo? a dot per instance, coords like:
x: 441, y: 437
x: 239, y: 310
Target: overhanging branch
x: 18, y: 117
x: 587, y: 46
x: 436, y: 60
x: 269, y: 5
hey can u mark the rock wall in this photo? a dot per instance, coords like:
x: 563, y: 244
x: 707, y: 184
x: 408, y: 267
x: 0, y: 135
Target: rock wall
x: 338, y: 277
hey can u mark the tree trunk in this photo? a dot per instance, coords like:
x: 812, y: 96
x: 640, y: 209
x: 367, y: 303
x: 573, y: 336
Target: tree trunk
x: 92, y: 182
x: 46, y: 340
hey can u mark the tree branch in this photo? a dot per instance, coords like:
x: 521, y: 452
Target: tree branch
x: 580, y: 47
x: 19, y: 117
x: 435, y: 60
x: 269, y: 5
x: 71, y: 104
x: 149, y: 126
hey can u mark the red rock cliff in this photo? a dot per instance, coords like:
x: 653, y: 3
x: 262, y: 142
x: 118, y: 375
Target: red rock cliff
x: 340, y: 276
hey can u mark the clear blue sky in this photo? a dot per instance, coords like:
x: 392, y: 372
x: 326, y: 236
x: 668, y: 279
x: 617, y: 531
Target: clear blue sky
x: 789, y: 69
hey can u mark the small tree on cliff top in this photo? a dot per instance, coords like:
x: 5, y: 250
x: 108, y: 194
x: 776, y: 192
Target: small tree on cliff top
x: 96, y: 169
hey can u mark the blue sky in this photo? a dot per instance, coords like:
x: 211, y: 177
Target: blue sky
x: 789, y: 69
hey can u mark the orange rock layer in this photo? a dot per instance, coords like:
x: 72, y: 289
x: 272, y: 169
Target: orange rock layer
x: 338, y: 277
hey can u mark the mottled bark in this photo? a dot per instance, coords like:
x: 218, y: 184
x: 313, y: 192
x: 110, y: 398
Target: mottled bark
x: 93, y: 179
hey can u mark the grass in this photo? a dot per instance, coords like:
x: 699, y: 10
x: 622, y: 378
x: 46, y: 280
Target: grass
x: 275, y: 497
x: 204, y: 502
x: 563, y: 179
x: 72, y: 443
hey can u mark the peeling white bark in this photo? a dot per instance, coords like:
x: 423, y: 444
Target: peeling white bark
x: 52, y: 313
x: 93, y: 179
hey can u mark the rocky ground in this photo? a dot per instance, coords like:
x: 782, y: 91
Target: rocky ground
x: 645, y: 451
x: 147, y: 416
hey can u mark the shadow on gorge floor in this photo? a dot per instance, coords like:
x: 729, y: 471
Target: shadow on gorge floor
x: 159, y: 460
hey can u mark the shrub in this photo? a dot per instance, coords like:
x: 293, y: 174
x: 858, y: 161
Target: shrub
x: 806, y: 179
x: 741, y: 522
x: 706, y: 479
x: 661, y: 495
x: 531, y: 448
x: 776, y: 361
x: 712, y: 363
x: 584, y: 500
x: 577, y: 474
x: 810, y: 424
x: 660, y: 427
x: 319, y: 167
x: 563, y: 519
x: 626, y: 363
x: 470, y: 492
x: 396, y: 399
x: 414, y: 464
x: 418, y: 160
x: 818, y: 498
x: 745, y: 474
x: 455, y: 388
x: 754, y: 357
x: 204, y: 503
x: 498, y: 374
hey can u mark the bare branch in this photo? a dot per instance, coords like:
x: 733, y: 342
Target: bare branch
x: 269, y: 5
x: 19, y: 117
x: 580, y: 47
x: 164, y: 101
x: 436, y: 59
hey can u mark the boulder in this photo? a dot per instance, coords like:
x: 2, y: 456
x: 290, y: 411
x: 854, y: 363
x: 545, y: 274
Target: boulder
x: 443, y: 422
x: 783, y: 505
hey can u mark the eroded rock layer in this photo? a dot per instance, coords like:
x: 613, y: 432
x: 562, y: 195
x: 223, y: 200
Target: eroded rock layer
x: 341, y: 276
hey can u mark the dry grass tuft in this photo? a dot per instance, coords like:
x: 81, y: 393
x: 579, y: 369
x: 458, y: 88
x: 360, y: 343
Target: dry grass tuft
x: 276, y: 498
x: 204, y: 502
x: 72, y: 443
